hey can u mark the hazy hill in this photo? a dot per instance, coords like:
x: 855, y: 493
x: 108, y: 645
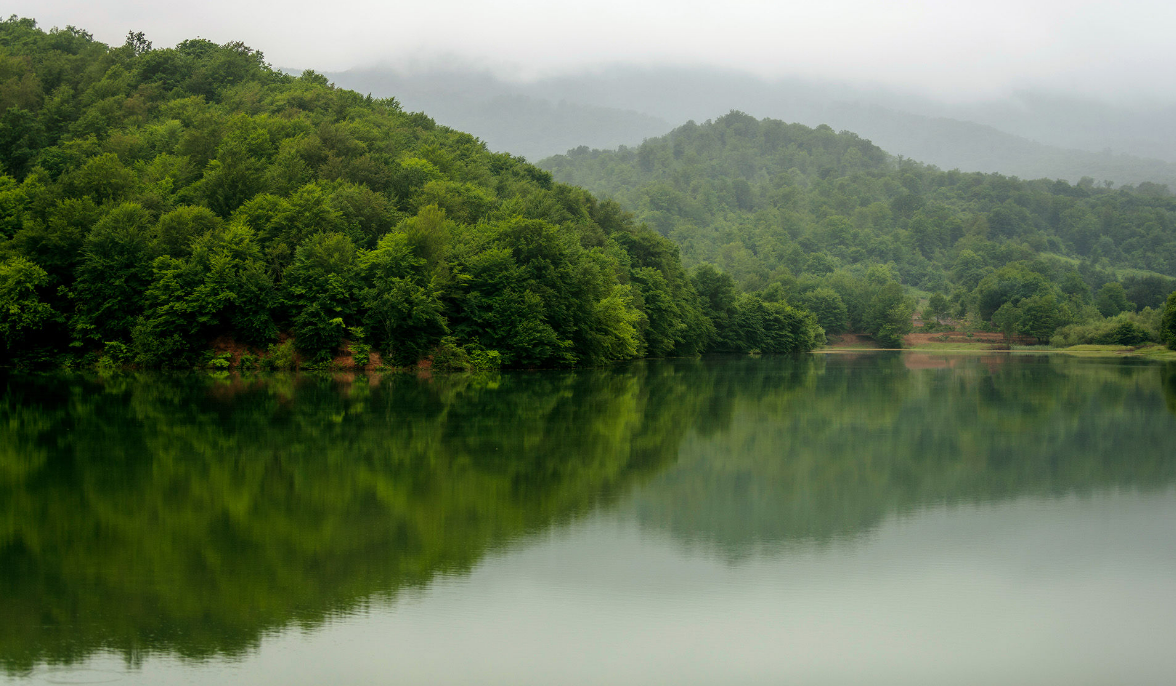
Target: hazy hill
x: 1146, y: 130
x: 624, y: 105
x: 506, y: 118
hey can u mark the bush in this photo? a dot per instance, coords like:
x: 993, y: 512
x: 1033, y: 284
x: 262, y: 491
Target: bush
x: 360, y: 351
x: 482, y: 360
x: 1128, y: 329
x: 450, y: 356
x: 115, y: 355
x: 281, y: 356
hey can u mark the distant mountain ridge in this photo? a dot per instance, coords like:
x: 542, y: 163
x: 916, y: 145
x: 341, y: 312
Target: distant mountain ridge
x: 507, y: 119
x: 623, y: 106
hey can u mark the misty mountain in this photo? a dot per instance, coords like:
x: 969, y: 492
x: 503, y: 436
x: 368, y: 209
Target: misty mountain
x: 625, y: 105
x: 1143, y: 130
x: 504, y: 117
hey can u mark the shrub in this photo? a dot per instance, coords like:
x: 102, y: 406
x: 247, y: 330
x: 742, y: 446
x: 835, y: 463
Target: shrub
x: 114, y: 354
x: 450, y: 356
x: 281, y: 356
x: 1128, y: 328
x: 360, y: 351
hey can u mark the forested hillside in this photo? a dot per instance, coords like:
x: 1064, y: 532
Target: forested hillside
x: 157, y: 200
x: 826, y: 219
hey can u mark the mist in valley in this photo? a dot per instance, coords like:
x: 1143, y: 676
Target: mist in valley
x: 1027, y: 134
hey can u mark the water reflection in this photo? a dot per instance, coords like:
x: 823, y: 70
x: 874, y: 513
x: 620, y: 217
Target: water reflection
x: 873, y: 436
x: 189, y: 515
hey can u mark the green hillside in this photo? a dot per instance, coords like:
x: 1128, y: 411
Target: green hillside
x: 157, y: 200
x: 813, y: 216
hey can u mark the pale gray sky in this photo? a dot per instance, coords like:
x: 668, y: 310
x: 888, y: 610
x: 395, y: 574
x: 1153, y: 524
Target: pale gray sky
x: 951, y: 50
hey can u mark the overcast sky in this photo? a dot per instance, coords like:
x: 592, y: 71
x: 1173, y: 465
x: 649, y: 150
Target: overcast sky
x: 948, y: 49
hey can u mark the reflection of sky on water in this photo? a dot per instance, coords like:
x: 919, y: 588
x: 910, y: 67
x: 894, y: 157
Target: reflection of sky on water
x: 1033, y: 591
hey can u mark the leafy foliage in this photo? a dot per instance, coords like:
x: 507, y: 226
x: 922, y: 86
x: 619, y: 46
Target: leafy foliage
x: 792, y: 212
x: 172, y: 196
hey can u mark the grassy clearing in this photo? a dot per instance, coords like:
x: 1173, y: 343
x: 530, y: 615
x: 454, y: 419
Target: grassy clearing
x: 1153, y: 351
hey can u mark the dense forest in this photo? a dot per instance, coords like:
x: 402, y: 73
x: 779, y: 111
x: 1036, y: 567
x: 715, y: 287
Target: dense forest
x: 830, y: 221
x: 156, y: 201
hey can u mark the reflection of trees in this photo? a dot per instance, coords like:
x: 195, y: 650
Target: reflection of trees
x: 871, y: 437
x: 143, y: 514
x: 184, y: 514
x: 1169, y: 375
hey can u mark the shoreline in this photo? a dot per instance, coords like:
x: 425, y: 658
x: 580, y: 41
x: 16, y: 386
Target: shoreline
x: 1151, y: 352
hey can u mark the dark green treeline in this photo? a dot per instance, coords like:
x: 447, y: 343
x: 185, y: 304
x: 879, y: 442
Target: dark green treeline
x: 189, y: 515
x: 153, y: 201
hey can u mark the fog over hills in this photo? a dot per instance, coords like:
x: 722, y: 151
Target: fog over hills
x: 1142, y: 129
x: 507, y: 116
x: 1028, y: 134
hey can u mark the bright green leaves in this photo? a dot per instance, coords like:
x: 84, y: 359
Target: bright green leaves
x: 114, y: 272
x: 320, y: 291
x: 775, y: 327
x: 21, y: 311
x: 746, y: 322
x: 502, y: 269
x: 222, y: 287
x: 178, y: 228
x: 617, y: 320
x: 665, y: 325
x: 401, y: 305
x: 102, y: 178
x: 174, y: 197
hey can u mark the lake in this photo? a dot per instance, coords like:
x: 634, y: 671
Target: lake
x: 881, y: 518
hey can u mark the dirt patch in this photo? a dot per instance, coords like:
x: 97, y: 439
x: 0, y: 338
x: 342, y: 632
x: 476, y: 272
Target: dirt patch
x: 345, y: 360
x: 374, y: 361
x: 985, y: 337
x: 851, y: 340
x: 227, y: 344
x: 985, y: 340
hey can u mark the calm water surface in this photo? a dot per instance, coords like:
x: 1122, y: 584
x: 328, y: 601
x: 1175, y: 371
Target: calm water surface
x: 878, y: 518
